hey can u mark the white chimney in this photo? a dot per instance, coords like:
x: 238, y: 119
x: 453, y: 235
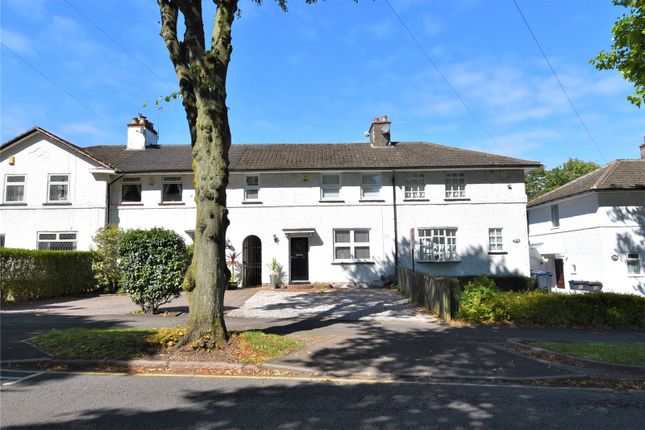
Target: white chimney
x: 643, y: 149
x: 141, y: 133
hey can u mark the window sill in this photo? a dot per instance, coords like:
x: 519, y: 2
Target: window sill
x: 371, y: 201
x: 331, y: 201
x: 171, y: 204
x: 14, y: 204
x: 457, y: 199
x: 497, y: 252
x: 640, y: 275
x: 250, y: 202
x: 438, y: 261
x: 416, y: 200
x: 126, y: 204
x: 339, y: 263
x: 57, y: 204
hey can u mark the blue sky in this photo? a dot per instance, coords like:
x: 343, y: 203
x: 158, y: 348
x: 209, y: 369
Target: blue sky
x: 320, y: 74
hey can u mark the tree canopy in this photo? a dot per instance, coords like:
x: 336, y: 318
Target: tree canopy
x: 627, y: 53
x: 541, y: 180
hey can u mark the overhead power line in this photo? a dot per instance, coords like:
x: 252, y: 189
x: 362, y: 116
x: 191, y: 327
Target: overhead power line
x: 51, y: 81
x: 444, y: 78
x: 517, y: 6
x: 117, y: 44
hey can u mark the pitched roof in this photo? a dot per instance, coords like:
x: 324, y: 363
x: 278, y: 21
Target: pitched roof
x: 280, y: 157
x: 57, y: 139
x: 617, y: 175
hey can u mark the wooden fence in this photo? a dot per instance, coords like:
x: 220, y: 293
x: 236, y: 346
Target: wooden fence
x: 438, y: 294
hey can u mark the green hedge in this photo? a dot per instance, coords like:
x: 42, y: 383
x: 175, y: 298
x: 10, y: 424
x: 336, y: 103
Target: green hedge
x: 31, y: 275
x: 503, y: 282
x: 481, y: 303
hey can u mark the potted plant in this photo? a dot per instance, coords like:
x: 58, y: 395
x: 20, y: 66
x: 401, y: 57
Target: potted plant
x: 234, y: 264
x: 275, y: 273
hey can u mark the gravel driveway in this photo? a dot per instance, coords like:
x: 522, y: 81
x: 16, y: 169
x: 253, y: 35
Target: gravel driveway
x: 346, y: 305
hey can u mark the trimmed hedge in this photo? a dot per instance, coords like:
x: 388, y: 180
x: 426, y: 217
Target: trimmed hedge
x: 515, y: 283
x: 31, y: 275
x: 481, y: 302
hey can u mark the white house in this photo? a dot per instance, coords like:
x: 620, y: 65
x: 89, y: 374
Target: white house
x: 326, y: 212
x: 592, y: 230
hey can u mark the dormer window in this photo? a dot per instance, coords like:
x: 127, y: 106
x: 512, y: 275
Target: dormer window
x: 58, y: 188
x: 172, y: 189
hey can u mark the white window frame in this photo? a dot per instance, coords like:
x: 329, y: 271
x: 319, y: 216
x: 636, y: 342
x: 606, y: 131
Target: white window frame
x: 495, y: 239
x: 437, y: 252
x: 50, y: 183
x: 455, y: 185
x: 172, y: 180
x: 555, y: 216
x: 57, y: 239
x: 8, y: 184
x: 634, y: 260
x: 132, y: 180
x: 248, y: 187
x: 376, y: 186
x: 415, y: 187
x: 352, y: 245
x: 330, y: 187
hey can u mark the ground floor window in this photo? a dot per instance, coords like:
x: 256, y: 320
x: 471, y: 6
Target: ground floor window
x: 438, y: 244
x: 634, y: 263
x: 352, y: 245
x: 57, y: 241
x: 495, y: 243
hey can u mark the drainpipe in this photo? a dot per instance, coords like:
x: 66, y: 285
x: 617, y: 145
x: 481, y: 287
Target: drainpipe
x: 107, y: 194
x: 396, y: 229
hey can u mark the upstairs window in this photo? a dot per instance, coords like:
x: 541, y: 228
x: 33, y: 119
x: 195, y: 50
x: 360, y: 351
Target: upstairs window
x: 415, y: 187
x: 57, y: 241
x: 14, y: 190
x: 330, y: 187
x: 172, y: 189
x: 370, y: 186
x: 58, y: 188
x: 555, y: 216
x: 634, y: 263
x: 495, y: 242
x: 352, y: 245
x: 438, y: 244
x: 131, y: 190
x: 455, y: 186
x: 251, y: 188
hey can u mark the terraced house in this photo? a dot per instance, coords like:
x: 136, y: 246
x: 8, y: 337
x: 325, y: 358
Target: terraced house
x: 327, y: 212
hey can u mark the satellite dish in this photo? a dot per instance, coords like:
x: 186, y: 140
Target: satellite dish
x: 366, y: 134
x: 385, y: 129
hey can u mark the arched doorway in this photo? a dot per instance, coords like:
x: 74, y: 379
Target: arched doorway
x: 252, y: 262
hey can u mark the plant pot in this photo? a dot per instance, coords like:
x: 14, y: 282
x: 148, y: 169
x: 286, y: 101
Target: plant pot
x: 273, y: 281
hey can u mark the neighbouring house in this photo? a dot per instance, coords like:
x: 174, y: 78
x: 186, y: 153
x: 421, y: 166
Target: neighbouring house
x: 327, y: 212
x: 590, y: 233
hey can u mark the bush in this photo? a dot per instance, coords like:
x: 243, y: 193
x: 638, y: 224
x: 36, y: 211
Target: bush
x: 31, y: 275
x: 153, y: 263
x: 503, y: 282
x: 106, y: 256
x: 481, y: 302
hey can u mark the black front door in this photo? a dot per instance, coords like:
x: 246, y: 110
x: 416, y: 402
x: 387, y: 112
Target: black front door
x: 299, y: 259
x: 559, y: 272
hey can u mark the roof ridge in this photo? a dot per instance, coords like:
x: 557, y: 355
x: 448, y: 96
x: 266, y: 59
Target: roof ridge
x: 609, y: 168
x: 579, y: 178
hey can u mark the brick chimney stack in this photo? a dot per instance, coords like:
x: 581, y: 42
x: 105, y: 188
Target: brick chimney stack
x: 141, y: 133
x: 380, y: 132
x: 643, y: 149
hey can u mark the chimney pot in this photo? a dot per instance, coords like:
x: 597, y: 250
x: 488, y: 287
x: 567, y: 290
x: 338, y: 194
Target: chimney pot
x: 379, y: 132
x: 642, y: 148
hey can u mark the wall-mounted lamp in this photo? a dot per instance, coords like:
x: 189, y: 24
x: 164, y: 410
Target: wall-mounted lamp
x: 275, y: 239
x: 305, y: 178
x: 12, y: 160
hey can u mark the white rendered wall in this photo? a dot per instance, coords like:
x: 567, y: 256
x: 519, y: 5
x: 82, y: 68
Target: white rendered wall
x: 594, y: 227
x: 36, y: 157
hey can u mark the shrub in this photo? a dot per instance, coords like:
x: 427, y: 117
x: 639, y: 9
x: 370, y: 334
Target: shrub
x: 106, y: 256
x: 31, y: 275
x: 153, y: 263
x: 503, y: 282
x: 482, y: 303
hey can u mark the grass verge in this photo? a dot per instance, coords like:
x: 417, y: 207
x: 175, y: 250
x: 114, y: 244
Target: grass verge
x: 248, y: 347
x: 618, y: 353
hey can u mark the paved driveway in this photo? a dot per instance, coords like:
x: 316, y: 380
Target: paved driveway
x: 340, y: 305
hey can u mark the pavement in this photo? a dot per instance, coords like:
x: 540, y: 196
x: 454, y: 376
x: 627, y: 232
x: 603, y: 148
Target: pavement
x: 349, y: 333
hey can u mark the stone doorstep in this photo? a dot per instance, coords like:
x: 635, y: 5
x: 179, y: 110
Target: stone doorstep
x: 583, y: 362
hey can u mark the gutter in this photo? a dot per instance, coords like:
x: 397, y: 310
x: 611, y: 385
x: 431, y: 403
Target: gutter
x: 107, y: 194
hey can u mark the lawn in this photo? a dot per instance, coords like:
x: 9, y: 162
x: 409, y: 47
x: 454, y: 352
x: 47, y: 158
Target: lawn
x: 619, y: 353
x: 247, y: 347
